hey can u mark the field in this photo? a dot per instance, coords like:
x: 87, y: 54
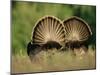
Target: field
x: 53, y: 61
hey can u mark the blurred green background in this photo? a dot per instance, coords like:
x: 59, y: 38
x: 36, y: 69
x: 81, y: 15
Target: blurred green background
x: 26, y: 14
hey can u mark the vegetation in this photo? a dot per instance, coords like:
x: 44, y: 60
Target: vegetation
x: 53, y: 60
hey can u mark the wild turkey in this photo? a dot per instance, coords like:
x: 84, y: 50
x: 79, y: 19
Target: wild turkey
x: 77, y: 32
x: 48, y: 33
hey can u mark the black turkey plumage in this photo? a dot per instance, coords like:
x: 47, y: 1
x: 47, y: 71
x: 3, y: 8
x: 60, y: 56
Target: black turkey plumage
x: 77, y: 32
x: 33, y: 49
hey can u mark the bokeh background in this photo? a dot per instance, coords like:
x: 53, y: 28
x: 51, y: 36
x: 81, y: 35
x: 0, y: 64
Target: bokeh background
x: 26, y: 14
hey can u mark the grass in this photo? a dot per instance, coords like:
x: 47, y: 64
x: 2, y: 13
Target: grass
x: 53, y: 60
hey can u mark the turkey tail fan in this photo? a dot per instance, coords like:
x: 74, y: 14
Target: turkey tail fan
x: 49, y: 33
x: 76, y: 29
x: 77, y: 32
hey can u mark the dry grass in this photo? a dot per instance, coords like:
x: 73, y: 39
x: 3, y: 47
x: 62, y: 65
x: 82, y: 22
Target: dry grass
x: 53, y: 61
